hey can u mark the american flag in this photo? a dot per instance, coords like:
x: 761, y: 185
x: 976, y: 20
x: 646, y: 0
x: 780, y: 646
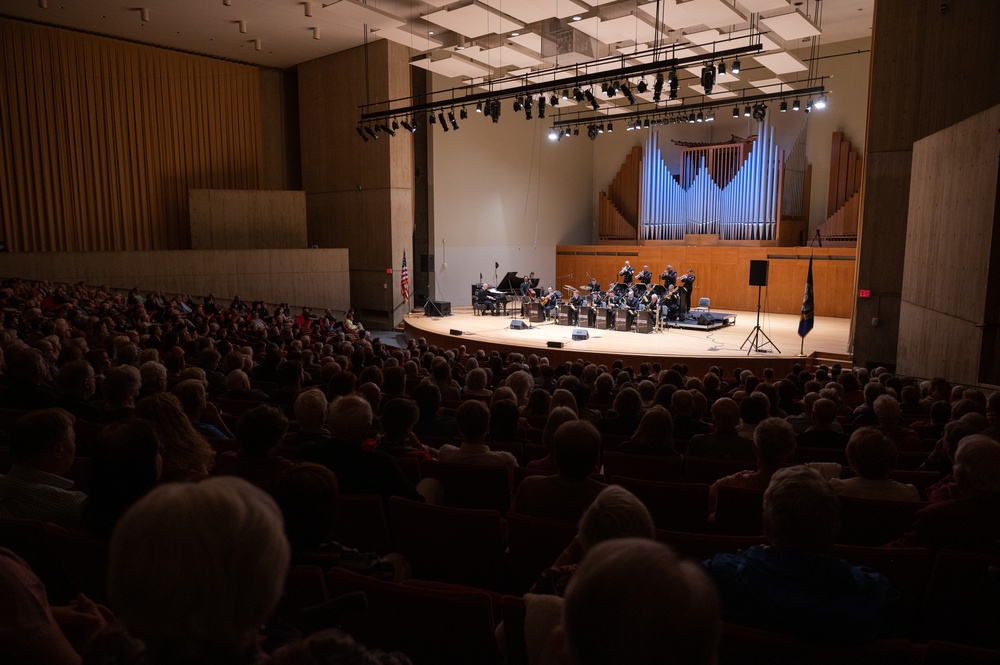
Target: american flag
x: 404, y: 280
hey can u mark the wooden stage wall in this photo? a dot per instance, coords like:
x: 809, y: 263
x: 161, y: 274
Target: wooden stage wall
x: 318, y: 278
x: 247, y: 219
x: 723, y: 273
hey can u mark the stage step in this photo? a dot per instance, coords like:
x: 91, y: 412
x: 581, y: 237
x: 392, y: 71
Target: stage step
x: 829, y: 358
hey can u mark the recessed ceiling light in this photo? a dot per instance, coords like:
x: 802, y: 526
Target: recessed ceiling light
x: 576, y: 18
x: 430, y: 32
x: 515, y: 34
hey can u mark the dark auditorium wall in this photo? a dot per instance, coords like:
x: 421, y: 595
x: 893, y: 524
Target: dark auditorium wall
x: 101, y: 139
x: 933, y: 65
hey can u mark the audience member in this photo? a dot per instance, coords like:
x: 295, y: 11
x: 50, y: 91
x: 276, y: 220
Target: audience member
x: 260, y: 431
x: 795, y: 585
x: 873, y: 455
x: 397, y: 437
x: 654, y: 436
x: 36, y: 487
x: 724, y: 442
x: 557, y: 417
x: 473, y: 418
x: 78, y: 384
x: 824, y: 432
x: 889, y: 416
x: 186, y: 454
x: 773, y: 443
x: 565, y: 495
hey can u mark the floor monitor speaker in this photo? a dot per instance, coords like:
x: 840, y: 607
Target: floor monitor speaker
x: 579, y: 334
x: 705, y: 320
x: 555, y: 345
x: 457, y: 333
x: 518, y: 325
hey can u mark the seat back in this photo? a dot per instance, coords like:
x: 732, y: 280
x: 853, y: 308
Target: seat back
x: 872, y: 523
x: 705, y: 470
x: 962, y: 600
x: 704, y: 303
x: 754, y: 646
x: 471, y: 485
x: 430, y: 625
x: 738, y: 511
x: 906, y: 567
x: 305, y: 586
x: 645, y: 467
x: 359, y: 522
x: 82, y: 558
x: 919, y: 479
x: 457, y: 545
x: 701, y: 546
x: 677, y: 506
x: 534, y: 545
x: 515, y: 648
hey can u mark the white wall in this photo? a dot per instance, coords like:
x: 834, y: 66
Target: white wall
x: 505, y: 193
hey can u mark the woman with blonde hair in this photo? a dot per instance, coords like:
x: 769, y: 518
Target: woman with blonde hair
x: 185, y: 452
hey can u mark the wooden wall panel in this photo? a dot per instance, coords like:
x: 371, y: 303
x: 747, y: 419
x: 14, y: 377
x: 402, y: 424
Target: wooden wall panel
x: 100, y: 140
x: 949, y: 248
x: 318, y: 278
x: 723, y: 273
x: 247, y: 219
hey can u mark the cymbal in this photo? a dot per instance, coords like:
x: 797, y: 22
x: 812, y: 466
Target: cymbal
x: 585, y: 288
x: 569, y: 288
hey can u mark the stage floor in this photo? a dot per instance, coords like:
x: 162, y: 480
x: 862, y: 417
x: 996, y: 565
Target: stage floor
x: 829, y: 335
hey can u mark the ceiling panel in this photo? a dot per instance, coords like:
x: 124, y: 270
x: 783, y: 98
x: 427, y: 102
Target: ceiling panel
x: 473, y: 21
x: 355, y: 13
x: 529, y: 40
x: 781, y: 62
x: 741, y: 38
x: 763, y: 5
x: 791, y: 26
x: 452, y: 67
x: 504, y: 56
x: 416, y: 41
x: 623, y: 29
x: 532, y: 11
x: 710, y: 13
x: 772, y: 85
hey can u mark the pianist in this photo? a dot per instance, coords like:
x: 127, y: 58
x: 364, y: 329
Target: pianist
x: 487, y: 299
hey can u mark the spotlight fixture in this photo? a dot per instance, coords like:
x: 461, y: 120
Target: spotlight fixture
x: 528, y: 102
x: 395, y: 125
x: 821, y: 102
x: 541, y: 106
x: 795, y: 105
x: 592, y: 132
x: 658, y: 86
x: 783, y: 107
x: 746, y: 111
x: 576, y: 131
x: 593, y: 101
x: 368, y: 130
x: 565, y: 93
x: 673, y: 83
x: 759, y: 112
x: 433, y: 119
x: 809, y: 105
x: 628, y: 94
x: 701, y: 117
x: 710, y: 117
x: 479, y: 107
x: 600, y: 128
x: 408, y: 127
x: 628, y: 126
x: 554, y: 100
x: 722, y: 68
x: 451, y: 119
x: 388, y: 130
x: 578, y: 94
x: 361, y: 133
x: 463, y: 114
x: 610, y: 128
x: 645, y: 125
x: 441, y: 120
x: 691, y: 117
x: 641, y: 86
x: 518, y: 103
x: 553, y: 135
x: 735, y: 69
x: 736, y: 111
x: 605, y: 88
x: 707, y: 78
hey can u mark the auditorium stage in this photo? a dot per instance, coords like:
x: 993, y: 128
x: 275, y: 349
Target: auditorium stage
x: 699, y: 349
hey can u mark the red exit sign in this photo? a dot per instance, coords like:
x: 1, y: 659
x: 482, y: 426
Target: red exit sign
x: 864, y: 293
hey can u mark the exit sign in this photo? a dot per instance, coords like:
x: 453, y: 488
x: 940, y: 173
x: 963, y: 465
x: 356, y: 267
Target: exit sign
x: 864, y: 293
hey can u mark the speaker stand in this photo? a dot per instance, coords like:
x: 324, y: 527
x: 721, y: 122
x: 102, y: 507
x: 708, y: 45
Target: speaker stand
x: 757, y: 333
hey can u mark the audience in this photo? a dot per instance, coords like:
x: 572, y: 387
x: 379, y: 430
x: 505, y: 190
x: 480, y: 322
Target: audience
x: 723, y: 442
x: 260, y: 431
x: 873, y: 455
x: 654, y: 436
x: 473, y: 418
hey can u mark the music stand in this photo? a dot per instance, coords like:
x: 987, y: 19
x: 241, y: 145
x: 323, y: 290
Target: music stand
x: 757, y: 333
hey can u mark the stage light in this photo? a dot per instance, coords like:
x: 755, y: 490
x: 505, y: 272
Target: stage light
x: 441, y: 120
x: 691, y: 117
x: 610, y: 128
x: 479, y: 107
x: 746, y: 111
x: 395, y: 125
x: 783, y: 107
x: 592, y: 132
x: 628, y: 94
x: 388, y: 130
x: 361, y: 133
x: 821, y: 102
x: 809, y: 105
x: 371, y: 133
x: 578, y: 94
x: 593, y: 101
x: 707, y: 78
x: 701, y: 117
x: 565, y: 94
x: 408, y: 127
x: 576, y: 131
x: 552, y: 134
x: 528, y: 103
x: 451, y: 119
x: 759, y: 112
x: 600, y: 128
x: 673, y: 83
x: 710, y: 117
x: 518, y: 104
x: 795, y: 105
x: 554, y: 100
x: 463, y: 114
x: 736, y: 111
x: 736, y: 66
x: 722, y: 68
x: 641, y: 86
x: 657, y: 86
x: 645, y: 125
x: 495, y: 111
x: 541, y: 106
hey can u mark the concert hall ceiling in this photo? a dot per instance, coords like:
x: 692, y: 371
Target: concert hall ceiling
x: 465, y: 40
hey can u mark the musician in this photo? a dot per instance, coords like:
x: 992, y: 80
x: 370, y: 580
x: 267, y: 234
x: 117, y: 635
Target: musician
x: 527, y: 290
x: 687, y: 289
x: 671, y: 300
x: 669, y: 276
x: 594, y: 285
x: 633, y: 301
x: 597, y: 298
x: 484, y: 297
x: 644, y: 276
x: 577, y: 301
x: 626, y: 273
x: 550, y: 302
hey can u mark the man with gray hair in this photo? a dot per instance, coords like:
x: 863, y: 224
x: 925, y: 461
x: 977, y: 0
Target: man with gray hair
x: 969, y: 523
x: 795, y: 585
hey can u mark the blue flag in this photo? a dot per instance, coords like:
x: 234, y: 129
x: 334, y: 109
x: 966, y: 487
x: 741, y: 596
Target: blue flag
x: 806, y: 318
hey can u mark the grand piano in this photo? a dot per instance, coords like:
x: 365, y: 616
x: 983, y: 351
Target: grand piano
x: 508, y: 290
